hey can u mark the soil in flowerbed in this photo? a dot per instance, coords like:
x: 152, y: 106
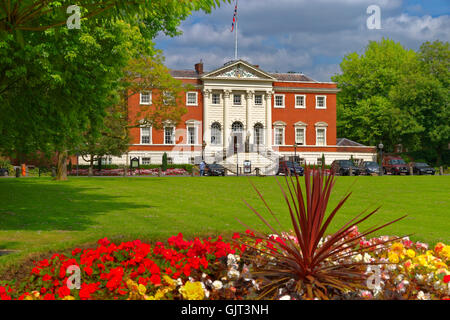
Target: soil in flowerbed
x: 214, y: 269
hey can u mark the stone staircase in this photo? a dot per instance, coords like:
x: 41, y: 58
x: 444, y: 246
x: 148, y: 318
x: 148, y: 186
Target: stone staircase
x: 265, y: 159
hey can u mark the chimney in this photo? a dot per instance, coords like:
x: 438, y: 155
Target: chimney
x: 256, y: 66
x: 199, y: 67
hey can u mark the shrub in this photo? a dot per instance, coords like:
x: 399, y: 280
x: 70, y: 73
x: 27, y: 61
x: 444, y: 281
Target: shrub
x: 316, y: 264
x: 164, y: 162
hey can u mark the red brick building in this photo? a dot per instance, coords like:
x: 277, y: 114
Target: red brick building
x: 239, y: 112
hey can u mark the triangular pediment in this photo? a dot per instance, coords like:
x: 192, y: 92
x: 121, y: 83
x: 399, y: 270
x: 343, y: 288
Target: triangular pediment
x: 239, y: 70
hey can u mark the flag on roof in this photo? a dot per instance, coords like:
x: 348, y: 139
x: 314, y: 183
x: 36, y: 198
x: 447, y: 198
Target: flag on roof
x: 234, y: 17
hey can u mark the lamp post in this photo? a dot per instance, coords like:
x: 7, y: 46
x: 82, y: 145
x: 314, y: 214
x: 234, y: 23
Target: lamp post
x: 295, y: 152
x: 381, y: 146
x: 203, y: 149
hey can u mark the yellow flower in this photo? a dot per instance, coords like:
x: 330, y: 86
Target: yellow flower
x: 28, y: 298
x: 171, y: 283
x: 69, y: 298
x: 422, y: 260
x: 192, y: 291
x: 393, y: 257
x: 142, y: 289
x: 397, y: 247
x: 446, y: 252
x: 411, y: 253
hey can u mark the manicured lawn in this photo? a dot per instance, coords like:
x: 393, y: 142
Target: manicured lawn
x: 39, y: 215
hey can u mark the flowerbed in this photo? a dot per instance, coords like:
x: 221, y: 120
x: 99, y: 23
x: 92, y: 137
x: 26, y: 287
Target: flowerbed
x: 134, y: 172
x: 217, y: 269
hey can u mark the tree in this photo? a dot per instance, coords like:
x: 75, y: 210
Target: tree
x: 112, y: 139
x: 39, y: 15
x: 150, y: 74
x: 365, y: 110
x: 65, y: 89
x: 164, y: 162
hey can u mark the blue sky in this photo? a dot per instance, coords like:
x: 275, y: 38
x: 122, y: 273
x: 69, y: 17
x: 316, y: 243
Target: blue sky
x: 302, y: 35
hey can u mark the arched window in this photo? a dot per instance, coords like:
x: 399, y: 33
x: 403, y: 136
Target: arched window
x: 237, y: 127
x: 258, y: 134
x: 216, y: 133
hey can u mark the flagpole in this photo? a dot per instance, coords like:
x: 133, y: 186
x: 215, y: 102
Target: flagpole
x: 236, y: 35
x: 236, y: 41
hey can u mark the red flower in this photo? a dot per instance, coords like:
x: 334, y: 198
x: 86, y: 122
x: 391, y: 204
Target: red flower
x: 236, y: 236
x: 35, y: 271
x: 155, y: 279
x: 154, y: 269
x: 63, y: 291
x: 447, y: 279
x: 49, y: 296
x: 88, y: 271
x: 47, y: 277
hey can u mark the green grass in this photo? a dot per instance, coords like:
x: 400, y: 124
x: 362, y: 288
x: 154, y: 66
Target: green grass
x: 40, y: 215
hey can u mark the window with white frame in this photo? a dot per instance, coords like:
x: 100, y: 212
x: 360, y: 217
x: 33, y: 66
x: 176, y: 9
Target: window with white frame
x: 216, y: 133
x: 169, y: 135
x: 191, y: 160
x: 300, y: 101
x: 169, y: 160
x: 258, y: 134
x: 192, y: 98
x: 321, y: 136
x: 146, y: 161
x: 146, y: 97
x: 300, y: 136
x: 279, y: 101
x: 146, y: 135
x: 215, y: 98
x: 237, y: 99
x: 191, y: 135
x: 321, y: 102
x: 258, y: 100
x: 279, y: 136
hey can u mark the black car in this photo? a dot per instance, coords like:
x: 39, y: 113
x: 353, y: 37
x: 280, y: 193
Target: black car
x: 342, y: 167
x: 369, y: 168
x: 214, y: 169
x: 4, y: 172
x: 286, y: 167
x: 423, y: 168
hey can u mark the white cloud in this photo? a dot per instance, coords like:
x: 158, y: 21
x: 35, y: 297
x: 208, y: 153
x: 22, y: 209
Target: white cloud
x: 297, y: 35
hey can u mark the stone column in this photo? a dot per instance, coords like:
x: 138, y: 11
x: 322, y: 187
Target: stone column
x: 249, y: 99
x: 269, y: 119
x: 226, y: 132
x: 206, y: 101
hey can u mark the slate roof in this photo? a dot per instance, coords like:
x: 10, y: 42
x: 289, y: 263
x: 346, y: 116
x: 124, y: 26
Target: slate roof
x: 344, y: 142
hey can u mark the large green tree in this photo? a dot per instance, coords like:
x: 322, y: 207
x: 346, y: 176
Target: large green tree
x: 396, y: 96
x: 55, y: 85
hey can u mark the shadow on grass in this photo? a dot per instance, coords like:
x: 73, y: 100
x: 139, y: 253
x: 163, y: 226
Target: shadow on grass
x: 27, y: 205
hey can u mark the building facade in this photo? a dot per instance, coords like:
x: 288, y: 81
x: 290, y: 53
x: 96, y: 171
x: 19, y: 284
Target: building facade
x: 239, y: 113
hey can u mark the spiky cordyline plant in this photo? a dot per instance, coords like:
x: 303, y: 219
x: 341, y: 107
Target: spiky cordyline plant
x: 316, y: 263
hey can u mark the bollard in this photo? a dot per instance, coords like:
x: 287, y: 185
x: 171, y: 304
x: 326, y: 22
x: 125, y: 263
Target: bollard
x: 17, y: 173
x: 350, y: 173
x: 24, y: 170
x: 159, y: 172
x: 257, y: 172
x: 411, y: 171
x: 53, y: 172
x: 441, y: 170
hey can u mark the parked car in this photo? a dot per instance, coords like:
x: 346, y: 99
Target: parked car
x: 370, y: 168
x: 286, y: 167
x: 4, y: 172
x: 214, y: 169
x: 342, y: 167
x: 422, y: 168
x: 395, y: 165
